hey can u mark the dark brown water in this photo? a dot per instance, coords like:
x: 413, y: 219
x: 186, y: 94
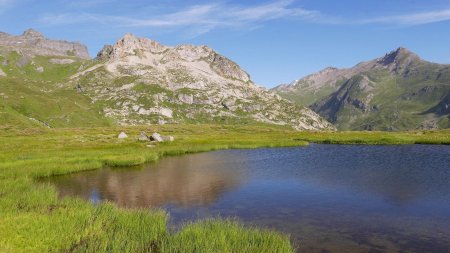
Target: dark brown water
x: 329, y: 198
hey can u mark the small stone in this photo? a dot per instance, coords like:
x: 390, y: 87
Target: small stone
x: 40, y: 69
x: 122, y: 135
x: 151, y: 146
x: 80, y: 89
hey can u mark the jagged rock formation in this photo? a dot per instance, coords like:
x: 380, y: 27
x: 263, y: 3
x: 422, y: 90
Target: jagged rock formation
x: 393, y: 92
x: 138, y: 81
x: 32, y: 43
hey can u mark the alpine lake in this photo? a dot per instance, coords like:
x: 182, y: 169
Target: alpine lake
x: 328, y: 198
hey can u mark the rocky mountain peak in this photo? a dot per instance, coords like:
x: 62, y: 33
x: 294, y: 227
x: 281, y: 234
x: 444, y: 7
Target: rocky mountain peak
x: 31, y: 33
x: 147, y: 82
x: 129, y: 44
x: 132, y: 51
x: 399, y: 56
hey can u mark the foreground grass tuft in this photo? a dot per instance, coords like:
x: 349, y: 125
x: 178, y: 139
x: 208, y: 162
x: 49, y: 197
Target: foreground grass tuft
x: 227, y: 236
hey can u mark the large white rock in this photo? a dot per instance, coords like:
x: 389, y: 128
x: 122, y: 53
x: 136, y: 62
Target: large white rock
x: 122, y: 135
x: 156, y: 137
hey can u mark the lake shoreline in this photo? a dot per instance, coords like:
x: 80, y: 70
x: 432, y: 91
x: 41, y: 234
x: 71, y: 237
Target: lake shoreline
x: 32, y: 153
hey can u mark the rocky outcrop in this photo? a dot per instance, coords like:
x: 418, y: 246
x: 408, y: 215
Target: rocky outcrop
x: 442, y: 108
x: 2, y: 74
x: 147, y: 82
x: 32, y: 43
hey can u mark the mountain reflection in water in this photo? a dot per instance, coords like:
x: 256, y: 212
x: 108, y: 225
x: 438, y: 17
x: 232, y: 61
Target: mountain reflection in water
x: 171, y: 181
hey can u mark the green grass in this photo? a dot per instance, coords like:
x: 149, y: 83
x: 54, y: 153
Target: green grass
x: 34, y: 219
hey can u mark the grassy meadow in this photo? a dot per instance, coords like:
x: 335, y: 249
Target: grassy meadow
x: 34, y: 219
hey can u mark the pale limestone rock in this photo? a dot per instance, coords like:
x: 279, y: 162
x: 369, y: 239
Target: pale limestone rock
x: 122, y: 135
x: 156, y: 137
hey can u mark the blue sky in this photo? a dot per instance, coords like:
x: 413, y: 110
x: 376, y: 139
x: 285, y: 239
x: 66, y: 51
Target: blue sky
x: 276, y: 41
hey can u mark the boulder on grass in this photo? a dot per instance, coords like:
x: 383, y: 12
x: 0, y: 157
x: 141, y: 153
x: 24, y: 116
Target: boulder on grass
x: 122, y: 135
x: 143, y: 137
x: 168, y: 138
x: 156, y: 137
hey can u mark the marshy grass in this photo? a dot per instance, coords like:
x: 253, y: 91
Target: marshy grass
x: 34, y: 219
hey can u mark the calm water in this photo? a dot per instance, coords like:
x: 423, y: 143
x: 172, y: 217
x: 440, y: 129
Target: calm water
x: 329, y: 198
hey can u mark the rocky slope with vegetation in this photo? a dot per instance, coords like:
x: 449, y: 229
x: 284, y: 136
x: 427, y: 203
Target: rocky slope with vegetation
x: 398, y: 91
x: 135, y: 81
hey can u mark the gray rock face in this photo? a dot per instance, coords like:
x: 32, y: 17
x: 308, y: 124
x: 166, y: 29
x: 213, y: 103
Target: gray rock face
x: 105, y: 53
x: 32, y: 43
x: 227, y: 68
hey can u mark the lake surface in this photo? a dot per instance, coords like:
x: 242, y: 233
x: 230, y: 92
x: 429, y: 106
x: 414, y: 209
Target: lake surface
x: 329, y: 198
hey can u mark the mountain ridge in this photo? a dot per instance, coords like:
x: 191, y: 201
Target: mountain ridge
x: 351, y: 97
x: 32, y: 42
x: 139, y: 81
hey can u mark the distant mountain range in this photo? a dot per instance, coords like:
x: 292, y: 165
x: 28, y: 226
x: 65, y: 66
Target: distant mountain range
x: 135, y: 81
x: 399, y: 91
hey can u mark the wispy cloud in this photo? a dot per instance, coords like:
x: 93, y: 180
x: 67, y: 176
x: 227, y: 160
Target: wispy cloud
x: 201, y: 18
x: 410, y: 19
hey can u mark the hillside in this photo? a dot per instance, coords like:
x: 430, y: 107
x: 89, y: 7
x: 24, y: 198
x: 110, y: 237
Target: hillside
x: 135, y: 81
x: 398, y: 91
x: 33, y: 70
x: 140, y: 81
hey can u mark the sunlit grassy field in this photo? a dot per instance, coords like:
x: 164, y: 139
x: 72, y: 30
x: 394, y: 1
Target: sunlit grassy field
x: 34, y: 219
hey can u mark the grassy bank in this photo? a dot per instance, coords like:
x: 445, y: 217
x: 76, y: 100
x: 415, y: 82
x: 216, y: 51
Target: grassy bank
x: 34, y: 219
